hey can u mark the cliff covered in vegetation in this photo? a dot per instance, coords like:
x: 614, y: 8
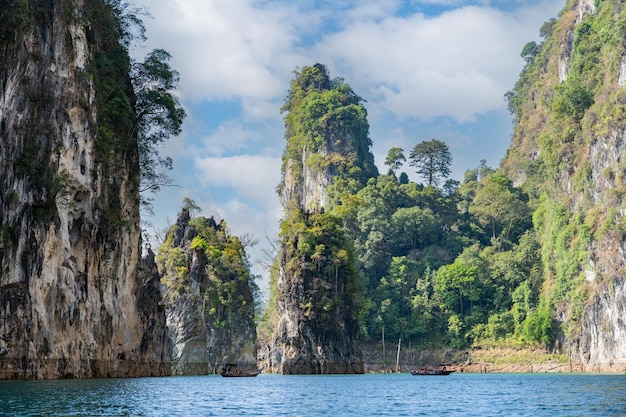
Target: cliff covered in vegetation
x: 317, y: 292
x: 208, y: 297
x: 568, y: 153
x: 529, y: 255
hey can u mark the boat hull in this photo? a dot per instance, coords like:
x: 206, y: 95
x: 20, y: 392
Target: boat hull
x: 432, y: 370
x: 241, y: 374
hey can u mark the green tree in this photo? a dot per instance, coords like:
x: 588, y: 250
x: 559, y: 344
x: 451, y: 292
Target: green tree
x: 159, y: 116
x: 425, y: 310
x: 414, y: 227
x: 190, y: 205
x: 547, y: 28
x: 478, y: 173
x: 524, y: 300
x: 539, y: 326
x: 499, y: 205
x: 380, y: 198
x: 393, y: 295
x: 571, y: 99
x: 432, y: 160
x: 530, y: 50
x: 395, y: 159
x: 456, y: 283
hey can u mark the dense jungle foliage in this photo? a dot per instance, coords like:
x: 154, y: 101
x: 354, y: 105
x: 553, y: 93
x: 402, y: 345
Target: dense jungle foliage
x: 484, y: 260
x: 446, y: 267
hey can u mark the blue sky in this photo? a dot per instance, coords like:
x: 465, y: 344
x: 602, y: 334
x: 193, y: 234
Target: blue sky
x: 427, y: 68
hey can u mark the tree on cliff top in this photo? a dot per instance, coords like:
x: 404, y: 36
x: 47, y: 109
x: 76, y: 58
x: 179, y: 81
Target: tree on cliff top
x: 432, y: 160
x: 395, y: 159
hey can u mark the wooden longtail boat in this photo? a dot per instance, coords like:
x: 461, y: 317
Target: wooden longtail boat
x: 432, y: 370
x: 232, y: 370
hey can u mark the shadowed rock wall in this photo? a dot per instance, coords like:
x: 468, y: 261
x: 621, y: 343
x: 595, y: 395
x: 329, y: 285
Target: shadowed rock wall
x: 72, y: 302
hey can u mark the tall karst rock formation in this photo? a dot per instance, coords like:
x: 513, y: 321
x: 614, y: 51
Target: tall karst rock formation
x: 209, y: 297
x: 318, y: 290
x: 568, y: 152
x: 72, y: 301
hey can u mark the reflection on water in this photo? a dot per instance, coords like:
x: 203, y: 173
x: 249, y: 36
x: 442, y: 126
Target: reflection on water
x: 362, y: 395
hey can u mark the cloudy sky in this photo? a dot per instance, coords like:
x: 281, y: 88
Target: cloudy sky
x: 427, y: 68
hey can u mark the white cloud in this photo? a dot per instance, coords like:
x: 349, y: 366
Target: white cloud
x: 507, y: 3
x: 255, y: 109
x: 457, y: 64
x: 224, y: 49
x: 231, y: 136
x: 252, y: 178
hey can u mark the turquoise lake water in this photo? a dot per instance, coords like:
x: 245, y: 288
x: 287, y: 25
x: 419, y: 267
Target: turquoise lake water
x: 325, y: 395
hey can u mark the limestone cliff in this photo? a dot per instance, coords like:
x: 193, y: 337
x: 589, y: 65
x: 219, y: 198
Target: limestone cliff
x: 318, y: 301
x: 72, y: 302
x: 208, y: 297
x: 568, y: 152
x: 318, y: 291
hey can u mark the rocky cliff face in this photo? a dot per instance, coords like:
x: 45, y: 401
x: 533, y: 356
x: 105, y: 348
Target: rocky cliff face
x: 317, y: 289
x: 209, y: 302
x: 317, y: 331
x: 569, y: 146
x: 308, y: 190
x: 72, y: 303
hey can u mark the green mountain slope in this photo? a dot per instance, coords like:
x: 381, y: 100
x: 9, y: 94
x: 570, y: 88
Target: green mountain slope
x: 567, y: 153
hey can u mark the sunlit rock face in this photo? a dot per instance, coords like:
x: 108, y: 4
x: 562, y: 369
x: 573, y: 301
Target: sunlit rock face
x: 602, y: 346
x: 602, y: 342
x: 72, y: 301
x: 302, y: 342
x: 307, y: 190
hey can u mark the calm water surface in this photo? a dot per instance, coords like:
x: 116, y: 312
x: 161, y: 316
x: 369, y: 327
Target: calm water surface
x: 355, y: 395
